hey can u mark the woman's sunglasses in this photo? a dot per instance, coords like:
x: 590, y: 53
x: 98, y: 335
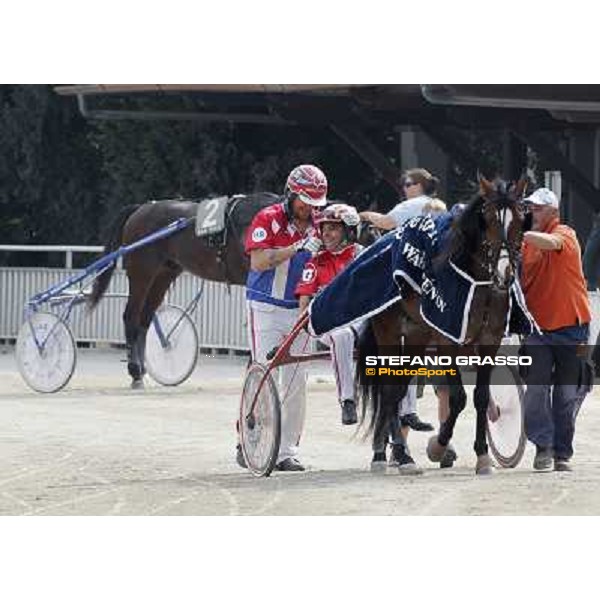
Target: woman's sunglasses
x: 408, y: 184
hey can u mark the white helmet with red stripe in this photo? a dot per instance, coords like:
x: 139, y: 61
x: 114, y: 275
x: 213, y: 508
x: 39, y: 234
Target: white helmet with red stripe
x: 340, y: 213
x: 327, y: 215
x: 309, y: 184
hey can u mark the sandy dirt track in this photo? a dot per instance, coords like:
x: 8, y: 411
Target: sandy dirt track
x: 98, y: 448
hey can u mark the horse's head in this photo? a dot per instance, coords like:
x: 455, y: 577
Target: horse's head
x: 490, y: 231
x: 503, y: 212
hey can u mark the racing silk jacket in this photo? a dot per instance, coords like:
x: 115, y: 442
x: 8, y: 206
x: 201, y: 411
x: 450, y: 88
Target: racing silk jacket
x: 271, y: 228
x: 321, y: 269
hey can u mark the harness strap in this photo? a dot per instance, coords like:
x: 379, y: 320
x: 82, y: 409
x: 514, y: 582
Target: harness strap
x: 222, y: 246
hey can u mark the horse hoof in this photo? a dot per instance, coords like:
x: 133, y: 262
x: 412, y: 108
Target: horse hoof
x: 449, y: 457
x: 409, y: 469
x: 379, y: 463
x: 435, y: 451
x: 485, y: 471
x: 493, y: 412
x: 484, y: 465
x: 137, y: 384
x: 378, y: 466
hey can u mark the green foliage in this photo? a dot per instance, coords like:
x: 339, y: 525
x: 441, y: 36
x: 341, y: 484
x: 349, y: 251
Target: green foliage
x: 48, y: 169
x: 146, y: 160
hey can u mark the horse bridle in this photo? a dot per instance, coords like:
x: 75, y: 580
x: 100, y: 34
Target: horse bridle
x: 493, y: 250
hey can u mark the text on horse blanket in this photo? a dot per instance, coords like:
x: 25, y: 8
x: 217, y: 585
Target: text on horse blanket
x: 406, y: 256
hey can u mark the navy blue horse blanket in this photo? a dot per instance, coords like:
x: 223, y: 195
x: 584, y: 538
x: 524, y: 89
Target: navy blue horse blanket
x: 402, y: 259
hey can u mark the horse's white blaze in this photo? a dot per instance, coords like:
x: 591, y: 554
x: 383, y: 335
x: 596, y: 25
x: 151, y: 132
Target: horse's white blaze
x: 507, y: 218
x: 503, y: 267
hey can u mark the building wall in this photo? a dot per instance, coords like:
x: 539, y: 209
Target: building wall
x: 584, y: 153
x: 417, y: 149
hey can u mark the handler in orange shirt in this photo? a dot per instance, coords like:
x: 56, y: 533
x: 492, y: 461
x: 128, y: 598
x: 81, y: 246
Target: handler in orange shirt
x: 556, y: 295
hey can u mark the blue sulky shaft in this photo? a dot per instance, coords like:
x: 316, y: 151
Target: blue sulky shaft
x: 105, y: 261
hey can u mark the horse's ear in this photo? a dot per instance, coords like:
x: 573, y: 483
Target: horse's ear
x: 521, y: 187
x: 486, y: 188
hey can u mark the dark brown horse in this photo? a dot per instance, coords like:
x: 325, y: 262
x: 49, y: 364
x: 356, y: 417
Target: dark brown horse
x: 153, y: 268
x: 485, y: 243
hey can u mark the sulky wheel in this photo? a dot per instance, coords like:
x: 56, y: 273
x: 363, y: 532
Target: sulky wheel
x: 46, y: 353
x: 505, y: 424
x: 171, y: 346
x: 260, y: 421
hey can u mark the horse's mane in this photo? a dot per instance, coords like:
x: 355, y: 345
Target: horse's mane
x: 466, y: 234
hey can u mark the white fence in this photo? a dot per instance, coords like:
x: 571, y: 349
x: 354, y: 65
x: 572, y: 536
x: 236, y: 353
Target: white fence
x: 220, y: 316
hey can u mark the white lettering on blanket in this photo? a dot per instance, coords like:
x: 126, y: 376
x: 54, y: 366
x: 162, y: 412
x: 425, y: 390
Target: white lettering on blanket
x: 428, y: 226
x: 424, y: 224
x: 429, y: 289
x: 414, y: 256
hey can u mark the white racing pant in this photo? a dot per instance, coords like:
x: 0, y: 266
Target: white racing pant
x: 341, y: 344
x: 409, y: 402
x: 268, y: 325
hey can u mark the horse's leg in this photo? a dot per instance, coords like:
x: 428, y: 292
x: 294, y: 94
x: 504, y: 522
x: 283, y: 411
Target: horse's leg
x: 481, y: 398
x: 131, y: 335
x: 439, y: 445
x: 391, y: 398
x: 385, y: 332
x: 443, y: 397
x: 369, y: 393
x: 387, y: 426
x: 154, y: 299
x: 140, y: 282
x: 381, y: 433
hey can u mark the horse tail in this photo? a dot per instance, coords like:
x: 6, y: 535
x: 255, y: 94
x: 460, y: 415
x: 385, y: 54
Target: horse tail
x: 369, y: 388
x: 113, y: 243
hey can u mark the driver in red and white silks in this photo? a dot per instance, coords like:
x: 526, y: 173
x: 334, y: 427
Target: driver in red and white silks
x: 337, y: 227
x: 279, y: 241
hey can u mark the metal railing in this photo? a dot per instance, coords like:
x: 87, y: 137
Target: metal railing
x: 220, y: 316
x: 68, y: 250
